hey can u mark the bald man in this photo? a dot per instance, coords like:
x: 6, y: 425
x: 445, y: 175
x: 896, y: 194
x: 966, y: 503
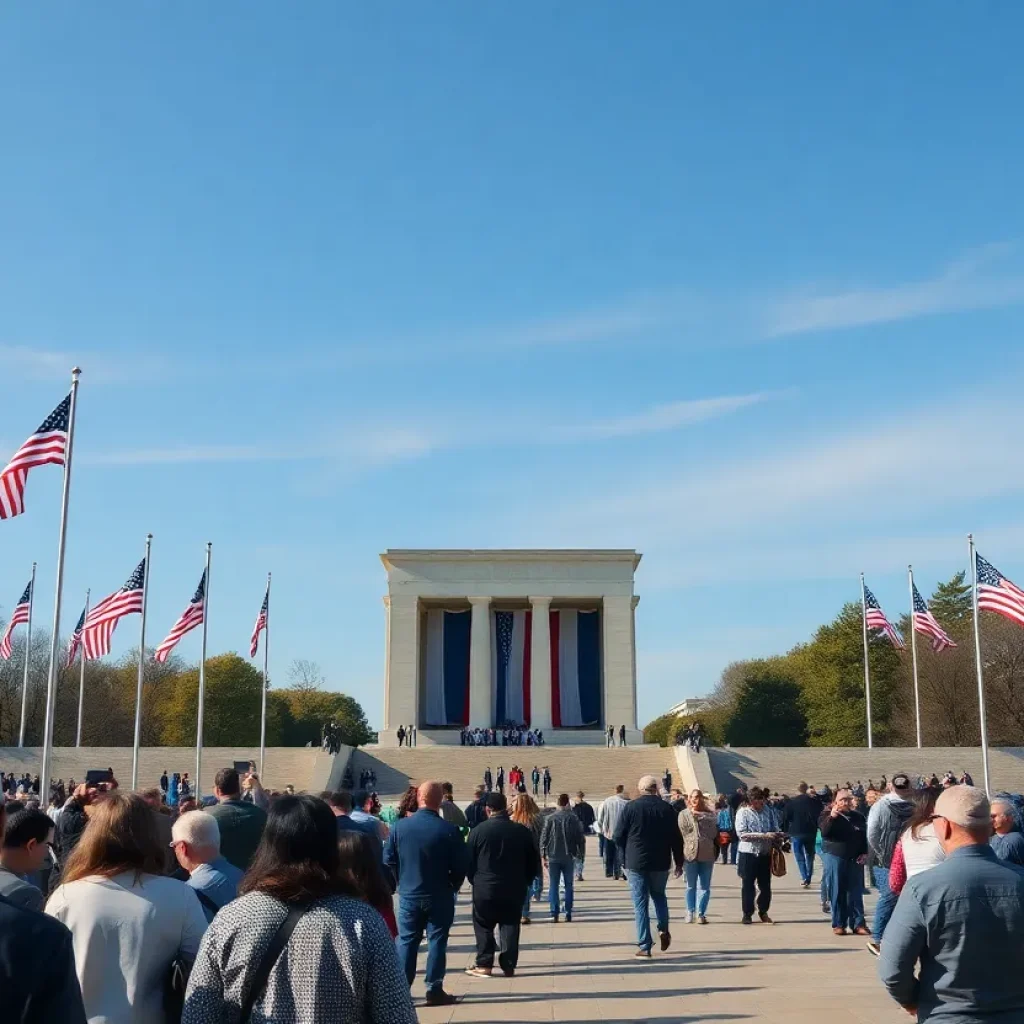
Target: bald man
x: 428, y: 857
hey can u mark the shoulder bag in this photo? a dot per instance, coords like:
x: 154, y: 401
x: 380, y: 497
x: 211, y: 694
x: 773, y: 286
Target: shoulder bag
x: 269, y: 958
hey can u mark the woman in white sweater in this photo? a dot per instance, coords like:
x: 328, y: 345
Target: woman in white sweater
x: 128, y: 923
x: 921, y: 846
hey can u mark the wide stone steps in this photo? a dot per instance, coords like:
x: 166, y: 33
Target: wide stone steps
x: 595, y: 770
x: 781, y: 768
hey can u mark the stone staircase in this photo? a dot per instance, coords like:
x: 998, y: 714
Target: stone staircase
x: 305, y: 768
x: 781, y: 768
x: 595, y: 770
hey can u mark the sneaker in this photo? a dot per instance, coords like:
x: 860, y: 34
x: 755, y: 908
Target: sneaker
x: 765, y: 919
x: 643, y: 954
x: 524, y: 920
x: 747, y: 919
x: 702, y: 919
x: 874, y: 949
x: 479, y: 972
x: 441, y: 998
x: 825, y: 908
x: 806, y: 885
x: 554, y: 918
x: 690, y: 917
x: 666, y: 939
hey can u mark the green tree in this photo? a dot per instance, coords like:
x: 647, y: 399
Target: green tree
x: 301, y: 714
x: 951, y: 603
x: 768, y: 712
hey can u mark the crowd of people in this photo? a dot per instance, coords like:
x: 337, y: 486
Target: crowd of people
x: 691, y: 736
x: 540, y: 780
x: 511, y: 734
x: 330, y: 740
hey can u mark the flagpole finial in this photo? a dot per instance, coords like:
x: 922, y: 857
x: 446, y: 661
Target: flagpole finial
x: 76, y: 372
x: 149, y: 536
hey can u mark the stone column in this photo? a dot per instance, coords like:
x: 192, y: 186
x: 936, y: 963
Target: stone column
x: 387, y: 662
x: 401, y: 700
x: 540, y: 664
x: 481, y: 702
x: 636, y: 601
x: 617, y: 629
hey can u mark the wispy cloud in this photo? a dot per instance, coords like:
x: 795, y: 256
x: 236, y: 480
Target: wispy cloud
x: 969, y: 283
x: 33, y: 363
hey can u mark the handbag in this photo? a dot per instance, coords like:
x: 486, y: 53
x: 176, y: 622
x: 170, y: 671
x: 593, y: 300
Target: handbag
x: 175, y: 985
x: 778, y: 862
x: 724, y: 838
x: 270, y: 957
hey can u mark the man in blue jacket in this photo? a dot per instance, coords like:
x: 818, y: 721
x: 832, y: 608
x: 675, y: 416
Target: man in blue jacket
x: 428, y: 857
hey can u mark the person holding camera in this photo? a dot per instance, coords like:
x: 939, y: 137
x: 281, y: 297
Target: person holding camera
x: 758, y: 831
x: 844, y: 845
x: 80, y: 806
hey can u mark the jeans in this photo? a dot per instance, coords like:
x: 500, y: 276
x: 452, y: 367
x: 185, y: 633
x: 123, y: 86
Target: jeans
x: 728, y: 851
x: 753, y: 868
x: 646, y: 886
x: 612, y: 860
x: 886, y: 903
x: 698, y: 880
x: 435, y: 917
x: 559, y: 870
x: 843, y: 883
x: 600, y: 844
x: 486, y: 917
x: 533, y: 889
x: 577, y: 867
x: 803, y: 854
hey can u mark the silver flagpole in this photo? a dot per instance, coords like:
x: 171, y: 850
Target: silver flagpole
x: 977, y: 661
x: 51, y: 675
x: 28, y: 654
x: 142, y: 660
x: 867, y: 667
x: 913, y: 651
x: 266, y: 682
x: 202, y: 676
x: 81, y: 675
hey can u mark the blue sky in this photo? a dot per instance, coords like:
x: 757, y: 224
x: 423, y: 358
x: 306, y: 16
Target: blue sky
x: 739, y: 288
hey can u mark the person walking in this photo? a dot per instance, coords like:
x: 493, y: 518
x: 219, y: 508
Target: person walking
x: 301, y: 928
x: 586, y: 816
x: 757, y: 829
x: 501, y: 780
x: 611, y: 736
x: 886, y: 820
x: 488, y: 780
x: 918, y: 847
x: 562, y: 842
x: 476, y: 812
x: 666, y: 781
x: 1006, y: 842
x: 427, y: 856
x: 502, y: 864
x: 195, y: 839
x: 622, y: 735
x: 450, y: 810
x: 547, y: 783
x: 128, y: 922
x: 241, y: 824
x: 844, y: 845
x: 535, y: 779
x: 961, y: 922
x: 648, y: 834
x: 607, y: 821
x: 526, y: 812
x: 800, y: 819
x: 728, y: 841
x: 698, y: 824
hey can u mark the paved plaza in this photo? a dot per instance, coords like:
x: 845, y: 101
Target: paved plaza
x: 795, y: 971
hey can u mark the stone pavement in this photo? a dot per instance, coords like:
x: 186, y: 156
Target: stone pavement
x: 795, y: 971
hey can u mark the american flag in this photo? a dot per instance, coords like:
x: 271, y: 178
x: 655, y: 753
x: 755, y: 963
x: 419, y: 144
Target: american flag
x: 875, y: 618
x: 997, y: 594
x: 20, y: 614
x: 261, y: 624
x: 46, y: 446
x: 76, y: 640
x: 925, y: 622
x: 99, y: 626
x: 191, y: 617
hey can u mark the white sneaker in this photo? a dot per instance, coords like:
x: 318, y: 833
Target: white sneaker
x: 690, y: 917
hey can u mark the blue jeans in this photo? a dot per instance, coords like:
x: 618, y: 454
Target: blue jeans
x: 844, y: 884
x: 886, y: 902
x: 577, y: 865
x: 435, y: 917
x: 646, y: 886
x: 803, y: 854
x: 698, y: 880
x: 612, y: 860
x: 533, y: 889
x: 559, y: 870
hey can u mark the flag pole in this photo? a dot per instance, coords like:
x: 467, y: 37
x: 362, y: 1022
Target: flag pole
x: 867, y: 667
x: 266, y: 682
x: 913, y: 651
x: 977, y: 661
x: 81, y: 674
x: 202, y: 676
x: 142, y: 659
x: 28, y: 654
x: 51, y: 675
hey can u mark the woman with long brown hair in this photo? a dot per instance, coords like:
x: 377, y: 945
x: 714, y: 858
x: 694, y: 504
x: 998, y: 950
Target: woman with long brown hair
x: 526, y: 812
x: 128, y: 922
x: 699, y: 825
x: 337, y: 962
x: 361, y: 871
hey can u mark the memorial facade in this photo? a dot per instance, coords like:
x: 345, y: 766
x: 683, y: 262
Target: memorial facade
x: 485, y: 638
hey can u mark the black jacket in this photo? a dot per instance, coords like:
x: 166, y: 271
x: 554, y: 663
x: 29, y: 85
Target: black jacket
x: 648, y: 832
x: 585, y: 813
x: 845, y: 835
x: 37, y: 969
x: 476, y: 813
x: 800, y: 816
x: 502, y: 861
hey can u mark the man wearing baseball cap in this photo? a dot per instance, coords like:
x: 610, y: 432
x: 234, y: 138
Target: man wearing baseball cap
x: 885, y: 823
x: 963, y: 921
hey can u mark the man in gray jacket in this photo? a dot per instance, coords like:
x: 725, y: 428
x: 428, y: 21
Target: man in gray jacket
x: 885, y: 823
x: 561, y: 842
x: 607, y: 818
x: 963, y: 921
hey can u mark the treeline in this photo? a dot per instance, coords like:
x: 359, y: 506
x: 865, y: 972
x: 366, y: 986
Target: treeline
x: 170, y: 700
x: 814, y: 694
